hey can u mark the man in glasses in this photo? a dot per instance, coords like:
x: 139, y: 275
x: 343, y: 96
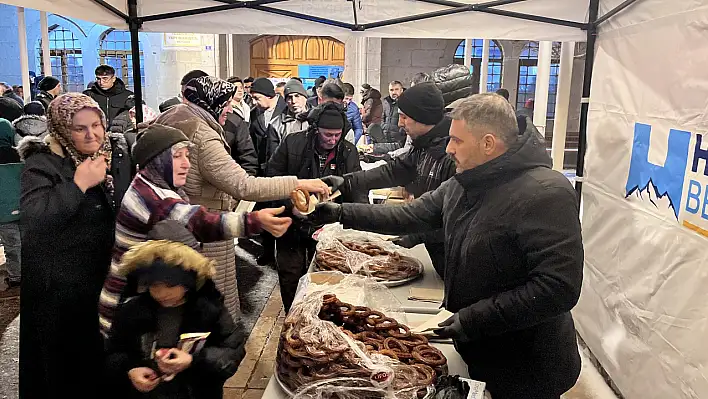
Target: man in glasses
x: 109, y: 92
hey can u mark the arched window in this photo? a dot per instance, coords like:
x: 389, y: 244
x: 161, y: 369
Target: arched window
x: 528, y: 68
x: 66, y: 58
x: 496, y: 62
x: 115, y: 51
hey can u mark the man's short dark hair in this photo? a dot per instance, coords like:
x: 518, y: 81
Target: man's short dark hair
x: 298, y: 79
x: 194, y: 74
x: 348, y: 89
x: 248, y: 80
x: 105, y: 70
x: 320, y: 81
x: 332, y: 90
x: 280, y: 84
x: 504, y: 93
x: 234, y: 80
x: 396, y: 82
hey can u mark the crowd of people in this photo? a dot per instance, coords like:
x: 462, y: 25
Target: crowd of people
x: 121, y: 232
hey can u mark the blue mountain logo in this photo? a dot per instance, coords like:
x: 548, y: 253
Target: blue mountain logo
x: 664, y: 181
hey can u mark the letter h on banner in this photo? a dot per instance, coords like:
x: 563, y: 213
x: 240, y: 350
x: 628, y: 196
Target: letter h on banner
x: 668, y: 179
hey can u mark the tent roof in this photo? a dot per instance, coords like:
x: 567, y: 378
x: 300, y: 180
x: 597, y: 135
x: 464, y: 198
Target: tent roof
x: 562, y: 20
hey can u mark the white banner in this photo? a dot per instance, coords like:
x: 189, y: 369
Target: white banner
x: 644, y: 305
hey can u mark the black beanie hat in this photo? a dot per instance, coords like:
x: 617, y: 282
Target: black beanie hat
x: 330, y: 118
x: 48, y: 83
x: 9, y: 109
x: 423, y: 103
x: 34, y: 108
x: 263, y: 86
x: 153, y: 141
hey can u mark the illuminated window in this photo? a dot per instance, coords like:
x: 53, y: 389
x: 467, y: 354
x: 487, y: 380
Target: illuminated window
x: 66, y: 59
x: 496, y: 61
x: 115, y: 51
x: 528, y: 68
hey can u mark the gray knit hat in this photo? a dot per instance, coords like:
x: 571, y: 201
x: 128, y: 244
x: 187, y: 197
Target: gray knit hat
x: 294, y: 86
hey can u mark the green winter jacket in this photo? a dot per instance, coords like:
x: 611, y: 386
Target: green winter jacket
x: 10, y: 168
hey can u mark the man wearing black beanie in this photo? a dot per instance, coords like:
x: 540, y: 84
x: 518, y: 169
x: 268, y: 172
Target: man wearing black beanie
x: 49, y: 88
x: 424, y: 168
x: 315, y: 153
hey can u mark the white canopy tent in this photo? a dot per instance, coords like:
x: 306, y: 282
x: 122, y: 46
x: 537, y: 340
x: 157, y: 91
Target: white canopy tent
x: 645, y: 221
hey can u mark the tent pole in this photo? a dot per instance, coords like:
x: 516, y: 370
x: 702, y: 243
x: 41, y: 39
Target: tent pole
x: 134, y: 26
x: 585, y: 102
x: 614, y: 11
x: 484, y: 69
x: 468, y: 53
x: 46, y: 55
x: 560, y: 125
x: 543, y: 81
x: 24, y: 58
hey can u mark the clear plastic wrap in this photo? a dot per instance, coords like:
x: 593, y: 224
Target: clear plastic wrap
x: 367, y: 254
x: 343, y: 338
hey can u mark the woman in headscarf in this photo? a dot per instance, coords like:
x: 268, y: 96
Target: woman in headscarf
x: 215, y: 180
x: 157, y: 194
x: 71, y: 189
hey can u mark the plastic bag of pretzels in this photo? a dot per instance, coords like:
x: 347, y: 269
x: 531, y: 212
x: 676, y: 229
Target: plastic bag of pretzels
x: 345, y: 337
x: 366, y: 254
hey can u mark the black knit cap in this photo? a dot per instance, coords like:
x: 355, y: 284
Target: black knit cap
x: 330, y: 118
x: 154, y: 140
x: 423, y: 103
x: 34, y: 108
x: 9, y: 109
x: 263, y: 86
x: 48, y: 83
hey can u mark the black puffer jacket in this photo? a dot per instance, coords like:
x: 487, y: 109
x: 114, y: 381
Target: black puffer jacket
x: 211, y: 366
x: 514, y: 266
x: 267, y: 135
x: 455, y: 82
x: 45, y: 98
x: 236, y: 133
x: 121, y: 123
x: 113, y: 101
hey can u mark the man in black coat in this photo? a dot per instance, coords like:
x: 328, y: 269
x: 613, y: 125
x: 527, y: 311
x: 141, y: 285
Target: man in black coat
x: 514, y: 259
x: 395, y: 135
x: 267, y: 130
x: 320, y: 151
x: 424, y: 168
x: 237, y: 133
x: 49, y: 88
x: 109, y: 92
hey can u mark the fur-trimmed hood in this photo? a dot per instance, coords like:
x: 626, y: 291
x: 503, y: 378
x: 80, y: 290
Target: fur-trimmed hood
x: 31, y: 125
x: 174, y: 254
x: 30, y: 145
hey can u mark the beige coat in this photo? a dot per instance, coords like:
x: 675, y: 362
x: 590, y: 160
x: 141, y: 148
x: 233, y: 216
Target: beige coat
x: 215, y: 179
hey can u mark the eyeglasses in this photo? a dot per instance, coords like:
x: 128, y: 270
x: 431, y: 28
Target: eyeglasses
x: 104, y: 78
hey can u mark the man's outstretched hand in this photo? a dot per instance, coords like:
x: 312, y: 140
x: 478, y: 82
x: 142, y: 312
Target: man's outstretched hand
x: 324, y: 213
x: 335, y: 182
x: 452, y: 328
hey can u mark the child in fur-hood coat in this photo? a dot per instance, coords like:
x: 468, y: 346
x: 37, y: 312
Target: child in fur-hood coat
x: 175, y: 296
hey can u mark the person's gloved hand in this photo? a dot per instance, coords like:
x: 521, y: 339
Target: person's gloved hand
x: 324, y: 213
x: 452, y: 328
x: 335, y: 182
x: 408, y: 241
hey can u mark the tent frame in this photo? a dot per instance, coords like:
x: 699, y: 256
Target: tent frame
x: 135, y: 23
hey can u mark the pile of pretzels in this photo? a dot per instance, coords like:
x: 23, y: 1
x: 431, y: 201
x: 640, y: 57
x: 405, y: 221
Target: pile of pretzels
x: 384, y: 264
x: 313, y: 351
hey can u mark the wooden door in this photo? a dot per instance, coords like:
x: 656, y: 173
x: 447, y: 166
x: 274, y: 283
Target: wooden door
x: 279, y: 56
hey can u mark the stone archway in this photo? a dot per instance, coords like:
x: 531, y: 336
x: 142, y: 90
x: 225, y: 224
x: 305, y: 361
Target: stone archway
x: 281, y: 56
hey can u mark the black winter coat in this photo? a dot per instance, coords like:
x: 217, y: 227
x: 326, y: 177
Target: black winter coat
x: 236, y: 132
x: 514, y: 263
x: 267, y: 135
x: 394, y: 136
x: 67, y: 238
x: 113, y: 101
x: 45, y: 98
x: 455, y: 82
x: 421, y: 170
x: 297, y: 157
x: 121, y: 123
x: 136, y: 321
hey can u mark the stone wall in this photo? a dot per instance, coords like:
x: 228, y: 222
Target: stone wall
x: 401, y: 59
